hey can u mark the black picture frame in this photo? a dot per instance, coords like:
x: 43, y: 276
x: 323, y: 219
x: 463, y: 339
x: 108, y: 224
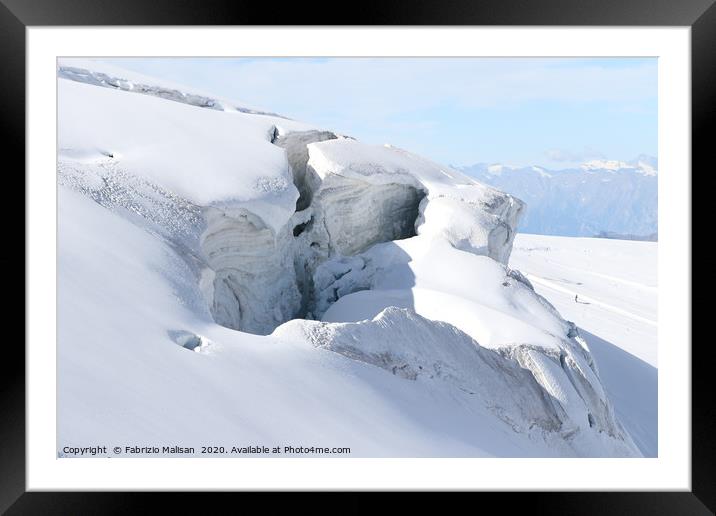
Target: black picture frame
x: 17, y: 15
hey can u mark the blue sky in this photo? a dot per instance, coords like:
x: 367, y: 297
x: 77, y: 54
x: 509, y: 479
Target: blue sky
x: 553, y: 112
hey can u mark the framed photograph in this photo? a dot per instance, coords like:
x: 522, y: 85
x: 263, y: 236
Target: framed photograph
x: 435, y: 249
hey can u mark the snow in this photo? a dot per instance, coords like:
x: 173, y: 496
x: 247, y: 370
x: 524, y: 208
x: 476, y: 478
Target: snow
x: 92, y: 71
x: 243, y: 388
x: 542, y: 172
x: 379, y: 164
x: 203, y: 155
x: 604, y: 164
x: 198, y: 248
x: 495, y: 169
x: 646, y: 168
x: 616, y: 285
x: 123, y: 379
x: 471, y: 215
x: 644, y: 165
x: 485, y: 302
x: 514, y: 394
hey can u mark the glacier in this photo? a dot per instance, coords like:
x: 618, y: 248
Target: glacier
x: 255, y: 277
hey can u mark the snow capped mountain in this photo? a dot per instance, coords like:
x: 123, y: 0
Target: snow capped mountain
x: 647, y: 165
x: 227, y: 275
x: 644, y: 165
x: 599, y: 197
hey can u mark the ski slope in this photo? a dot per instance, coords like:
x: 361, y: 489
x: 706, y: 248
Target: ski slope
x: 616, y: 285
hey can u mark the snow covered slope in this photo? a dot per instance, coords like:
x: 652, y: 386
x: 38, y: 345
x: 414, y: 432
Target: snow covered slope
x: 198, y: 249
x: 616, y: 285
x: 600, y: 196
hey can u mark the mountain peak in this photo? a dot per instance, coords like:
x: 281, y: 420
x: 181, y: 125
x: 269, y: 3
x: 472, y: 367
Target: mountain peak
x: 604, y: 164
x: 600, y: 195
x: 643, y: 164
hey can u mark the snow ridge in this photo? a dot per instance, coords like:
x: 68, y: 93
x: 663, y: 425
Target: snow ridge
x: 553, y: 398
x: 118, y: 79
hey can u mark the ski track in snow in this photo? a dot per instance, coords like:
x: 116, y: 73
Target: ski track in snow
x: 550, y: 284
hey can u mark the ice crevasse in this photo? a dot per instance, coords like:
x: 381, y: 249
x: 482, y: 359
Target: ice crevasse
x: 353, y: 196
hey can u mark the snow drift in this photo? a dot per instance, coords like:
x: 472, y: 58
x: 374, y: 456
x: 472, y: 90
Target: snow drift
x: 264, y: 225
x: 552, y: 397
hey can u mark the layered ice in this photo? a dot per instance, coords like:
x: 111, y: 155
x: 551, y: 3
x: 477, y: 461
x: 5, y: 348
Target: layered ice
x: 341, y: 213
x: 472, y: 216
x: 254, y: 286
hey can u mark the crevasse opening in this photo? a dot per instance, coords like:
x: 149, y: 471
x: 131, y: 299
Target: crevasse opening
x: 263, y: 279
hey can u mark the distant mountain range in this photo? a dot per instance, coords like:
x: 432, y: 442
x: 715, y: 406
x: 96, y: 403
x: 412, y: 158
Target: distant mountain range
x: 605, y: 198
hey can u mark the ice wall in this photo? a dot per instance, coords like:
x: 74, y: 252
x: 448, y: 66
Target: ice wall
x: 351, y: 197
x: 264, y: 277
